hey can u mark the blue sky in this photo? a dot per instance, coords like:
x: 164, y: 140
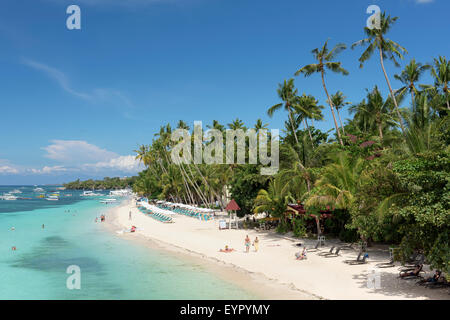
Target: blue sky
x: 75, y: 103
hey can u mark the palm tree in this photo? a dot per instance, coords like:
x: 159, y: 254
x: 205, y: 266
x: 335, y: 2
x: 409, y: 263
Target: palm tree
x: 237, y: 124
x: 141, y: 154
x: 288, y: 94
x: 339, y: 102
x: 216, y: 125
x: 307, y: 107
x: 374, y: 114
x: 338, y: 183
x: 259, y: 125
x: 441, y: 74
x: 324, y: 59
x: 275, y: 199
x: 411, y: 74
x: 387, y: 49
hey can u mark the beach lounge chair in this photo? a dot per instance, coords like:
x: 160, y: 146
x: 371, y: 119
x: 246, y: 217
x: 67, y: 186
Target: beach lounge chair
x: 359, y: 259
x: 332, y: 255
x: 315, y: 248
x: 326, y: 253
x: 407, y: 274
x: 388, y: 264
x: 440, y: 283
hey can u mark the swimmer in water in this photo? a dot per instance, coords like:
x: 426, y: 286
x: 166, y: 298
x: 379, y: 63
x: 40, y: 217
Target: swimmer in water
x: 12, y: 228
x: 43, y: 226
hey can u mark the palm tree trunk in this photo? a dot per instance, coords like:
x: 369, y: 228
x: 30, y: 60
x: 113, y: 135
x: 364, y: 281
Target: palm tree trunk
x: 340, y: 121
x: 319, y: 231
x: 380, y: 130
x: 292, y: 126
x: 446, y: 97
x: 309, y: 132
x: 332, y: 110
x: 213, y: 192
x: 198, y: 187
x: 392, y: 93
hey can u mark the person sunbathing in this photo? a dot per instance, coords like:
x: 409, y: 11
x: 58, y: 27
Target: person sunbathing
x: 413, y: 273
x: 227, y: 249
x: 436, y: 277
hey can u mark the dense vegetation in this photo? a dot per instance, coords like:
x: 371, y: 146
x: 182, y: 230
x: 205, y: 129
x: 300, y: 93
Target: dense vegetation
x: 106, y: 183
x: 384, y: 173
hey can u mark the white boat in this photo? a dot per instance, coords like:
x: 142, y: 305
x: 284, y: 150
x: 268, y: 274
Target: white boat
x: 121, y: 193
x: 91, y: 194
x: 15, y: 191
x: 38, y: 190
x: 52, y: 198
x: 9, y: 197
x: 108, y: 201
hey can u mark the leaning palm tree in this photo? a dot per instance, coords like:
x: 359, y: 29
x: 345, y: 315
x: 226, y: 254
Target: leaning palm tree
x: 288, y: 94
x: 324, y: 58
x: 339, y: 102
x: 387, y: 49
x: 141, y: 154
x: 409, y: 76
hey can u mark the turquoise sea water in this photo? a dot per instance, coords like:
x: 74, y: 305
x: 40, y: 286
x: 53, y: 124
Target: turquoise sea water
x: 111, y: 267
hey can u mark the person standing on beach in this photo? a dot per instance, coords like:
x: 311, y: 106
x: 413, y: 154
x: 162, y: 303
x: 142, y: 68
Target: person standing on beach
x: 247, y: 244
x: 256, y: 244
x: 129, y: 215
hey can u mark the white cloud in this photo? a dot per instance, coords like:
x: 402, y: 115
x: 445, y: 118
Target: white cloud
x: 77, y: 152
x: 49, y: 170
x: 75, y: 157
x: 122, y: 163
x: 8, y: 170
x: 56, y: 75
x: 106, y: 96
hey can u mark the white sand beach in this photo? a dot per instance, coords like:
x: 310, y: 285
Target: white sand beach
x: 272, y: 272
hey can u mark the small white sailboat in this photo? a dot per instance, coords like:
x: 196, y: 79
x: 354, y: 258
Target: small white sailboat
x: 52, y: 197
x: 15, y: 191
x: 38, y: 190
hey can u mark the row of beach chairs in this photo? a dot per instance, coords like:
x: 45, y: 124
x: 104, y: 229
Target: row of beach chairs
x: 188, y: 213
x: 335, y: 252
x: 157, y: 216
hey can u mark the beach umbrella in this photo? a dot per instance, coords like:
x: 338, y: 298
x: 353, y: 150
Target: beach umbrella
x: 232, y: 206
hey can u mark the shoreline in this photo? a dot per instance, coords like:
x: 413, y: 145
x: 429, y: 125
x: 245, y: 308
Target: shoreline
x: 272, y: 273
x: 256, y: 284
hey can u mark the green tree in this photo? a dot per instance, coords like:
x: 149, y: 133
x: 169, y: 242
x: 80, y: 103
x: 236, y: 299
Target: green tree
x: 324, y: 58
x: 388, y: 49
